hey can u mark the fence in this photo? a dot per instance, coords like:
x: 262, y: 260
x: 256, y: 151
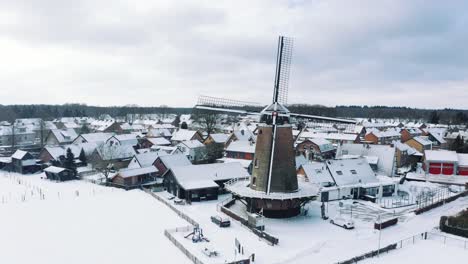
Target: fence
x: 262, y: 234
x: 179, y: 245
x: 429, y: 204
x: 462, y: 243
x: 172, y: 207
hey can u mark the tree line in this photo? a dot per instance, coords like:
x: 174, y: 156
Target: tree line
x: 49, y: 112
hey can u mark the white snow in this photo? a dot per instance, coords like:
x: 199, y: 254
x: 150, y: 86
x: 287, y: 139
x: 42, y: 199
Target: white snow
x: 79, y: 222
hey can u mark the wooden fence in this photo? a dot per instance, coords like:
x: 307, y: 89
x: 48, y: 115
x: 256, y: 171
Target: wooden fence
x: 172, y: 207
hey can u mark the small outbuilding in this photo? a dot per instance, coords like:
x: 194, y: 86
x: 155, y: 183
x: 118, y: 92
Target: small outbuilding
x: 59, y: 174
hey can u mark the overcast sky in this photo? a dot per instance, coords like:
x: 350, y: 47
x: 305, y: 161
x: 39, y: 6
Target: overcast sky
x: 155, y: 52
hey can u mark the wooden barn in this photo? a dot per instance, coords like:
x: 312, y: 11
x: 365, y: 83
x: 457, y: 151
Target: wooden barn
x: 202, y: 182
x: 59, y: 174
x: 23, y: 162
x: 135, y: 177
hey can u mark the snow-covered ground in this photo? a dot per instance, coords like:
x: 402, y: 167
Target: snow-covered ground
x: 79, y: 222
x: 308, y: 238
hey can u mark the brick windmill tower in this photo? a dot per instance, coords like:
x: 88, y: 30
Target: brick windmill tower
x: 273, y: 188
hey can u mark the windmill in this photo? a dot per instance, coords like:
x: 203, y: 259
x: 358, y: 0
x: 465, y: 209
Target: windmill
x: 273, y: 187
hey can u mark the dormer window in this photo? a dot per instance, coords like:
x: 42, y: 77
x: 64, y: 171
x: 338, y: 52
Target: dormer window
x: 339, y: 172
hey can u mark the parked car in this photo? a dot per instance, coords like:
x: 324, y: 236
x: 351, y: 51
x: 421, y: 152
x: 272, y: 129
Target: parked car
x: 179, y: 201
x: 220, y: 221
x: 343, y: 222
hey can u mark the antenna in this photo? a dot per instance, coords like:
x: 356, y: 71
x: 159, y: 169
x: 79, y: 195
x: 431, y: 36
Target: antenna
x: 283, y: 69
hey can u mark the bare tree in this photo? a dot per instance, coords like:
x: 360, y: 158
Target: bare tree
x: 206, y: 119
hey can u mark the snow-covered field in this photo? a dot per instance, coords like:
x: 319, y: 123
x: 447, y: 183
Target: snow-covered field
x: 44, y: 222
x: 79, y: 222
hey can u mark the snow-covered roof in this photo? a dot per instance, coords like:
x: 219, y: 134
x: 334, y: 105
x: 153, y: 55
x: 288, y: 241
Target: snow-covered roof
x: 159, y: 132
x: 330, y: 136
x: 423, y: 140
x: 115, y: 152
x: 317, y: 172
x: 351, y: 171
x: 245, y: 163
x: 441, y: 155
x: 53, y: 169
x: 183, y: 134
x: 463, y: 160
x: 58, y: 151
x: 167, y: 149
x: 241, y: 146
x: 148, y: 158
x: 220, y: 138
x: 64, y: 135
x: 178, y: 160
x: 159, y: 141
x: 125, y: 173
x: 203, y: 176
x: 405, y: 147
x: 385, y: 154
x: 191, y: 144
x: 19, y: 154
x: 126, y: 139
x: 96, y: 137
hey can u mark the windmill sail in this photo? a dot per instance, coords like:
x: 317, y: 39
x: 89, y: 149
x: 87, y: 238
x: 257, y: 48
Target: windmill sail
x: 283, y: 69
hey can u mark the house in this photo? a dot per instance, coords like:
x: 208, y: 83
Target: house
x: 316, y: 172
x: 154, y: 141
x: 58, y: 137
x: 242, y: 133
x: 59, y: 174
x: 241, y: 149
x: 50, y: 154
x: 445, y: 162
x: 355, y: 178
x: 97, y: 138
x: 159, y: 132
x: 420, y: 143
x: 185, y: 135
x: 146, y: 159
x: 409, y: 133
x: 193, y: 149
x: 164, y: 163
x: 406, y: 156
x: 202, y: 182
x: 119, y: 156
x: 220, y: 138
x: 382, y: 137
x: 23, y: 162
x: 384, y: 155
x: 123, y: 139
x: 437, y: 139
x: 332, y: 137
x: 119, y: 128
x: 316, y: 149
x: 131, y: 178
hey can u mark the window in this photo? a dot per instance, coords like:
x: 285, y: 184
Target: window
x: 256, y: 163
x: 339, y: 172
x: 260, y: 131
x: 353, y: 172
x: 254, y: 180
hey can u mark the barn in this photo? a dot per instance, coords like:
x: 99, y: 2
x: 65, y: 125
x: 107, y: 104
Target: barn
x: 59, y: 174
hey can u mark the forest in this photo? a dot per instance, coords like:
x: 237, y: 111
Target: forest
x: 49, y: 112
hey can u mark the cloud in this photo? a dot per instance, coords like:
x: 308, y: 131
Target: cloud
x: 407, y: 53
